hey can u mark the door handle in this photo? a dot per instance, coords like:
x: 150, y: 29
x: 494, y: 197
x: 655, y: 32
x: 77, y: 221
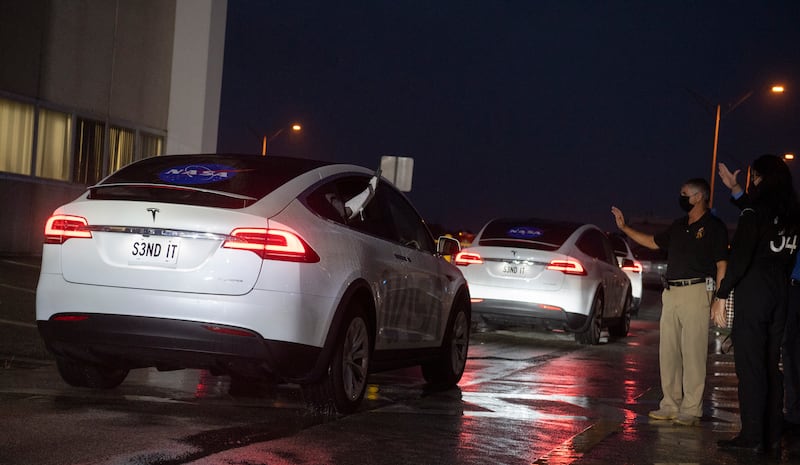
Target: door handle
x: 402, y: 257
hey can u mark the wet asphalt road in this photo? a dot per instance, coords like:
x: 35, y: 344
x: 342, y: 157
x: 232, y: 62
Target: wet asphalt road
x: 526, y: 398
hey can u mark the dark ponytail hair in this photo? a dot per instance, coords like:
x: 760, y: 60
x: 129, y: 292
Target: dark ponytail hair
x: 775, y: 195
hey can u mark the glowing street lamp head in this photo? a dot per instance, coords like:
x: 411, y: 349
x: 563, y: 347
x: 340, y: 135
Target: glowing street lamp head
x: 778, y: 89
x: 266, y: 140
x: 788, y: 156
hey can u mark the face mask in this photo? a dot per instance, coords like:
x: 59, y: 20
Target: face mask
x: 684, y: 203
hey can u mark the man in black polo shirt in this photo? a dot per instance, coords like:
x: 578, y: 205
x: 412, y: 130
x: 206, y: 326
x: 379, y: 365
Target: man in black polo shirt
x: 697, y: 248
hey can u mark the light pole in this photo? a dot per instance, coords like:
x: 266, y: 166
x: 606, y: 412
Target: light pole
x: 775, y: 89
x: 266, y: 140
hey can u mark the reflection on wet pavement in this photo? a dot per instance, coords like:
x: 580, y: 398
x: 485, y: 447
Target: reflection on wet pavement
x: 522, y: 401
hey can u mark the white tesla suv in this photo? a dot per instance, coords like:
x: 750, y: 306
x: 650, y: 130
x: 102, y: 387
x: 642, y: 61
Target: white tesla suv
x: 556, y: 274
x: 295, y: 270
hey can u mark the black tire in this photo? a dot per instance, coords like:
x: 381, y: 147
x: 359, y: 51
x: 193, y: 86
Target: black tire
x: 343, y: 386
x: 446, y: 370
x: 621, y: 327
x: 591, y: 335
x: 82, y: 374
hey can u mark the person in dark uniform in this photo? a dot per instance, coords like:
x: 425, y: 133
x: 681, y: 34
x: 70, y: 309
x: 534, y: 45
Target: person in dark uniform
x: 791, y: 352
x: 697, y: 247
x: 760, y: 261
x: 790, y: 347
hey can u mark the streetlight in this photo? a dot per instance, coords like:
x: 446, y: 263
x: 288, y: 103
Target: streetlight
x: 265, y: 141
x: 776, y: 89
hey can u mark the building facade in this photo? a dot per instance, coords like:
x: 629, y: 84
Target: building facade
x: 88, y: 86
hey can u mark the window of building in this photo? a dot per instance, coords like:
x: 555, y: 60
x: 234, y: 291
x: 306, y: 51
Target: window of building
x: 52, y: 145
x: 151, y: 145
x: 88, y: 165
x: 46, y: 143
x: 121, y: 147
x: 16, y: 136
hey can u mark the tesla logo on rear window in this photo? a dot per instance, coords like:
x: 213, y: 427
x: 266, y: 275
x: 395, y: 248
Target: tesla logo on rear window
x: 524, y: 232
x: 198, y: 174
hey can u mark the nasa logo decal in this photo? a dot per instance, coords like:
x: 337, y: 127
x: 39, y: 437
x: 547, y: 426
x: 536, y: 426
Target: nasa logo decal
x: 197, y: 174
x: 524, y: 232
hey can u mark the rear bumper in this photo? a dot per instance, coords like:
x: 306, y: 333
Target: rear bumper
x: 134, y: 342
x: 287, y: 316
x: 524, y: 313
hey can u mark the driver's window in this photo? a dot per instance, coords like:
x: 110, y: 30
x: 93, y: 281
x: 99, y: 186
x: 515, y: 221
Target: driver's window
x: 609, y: 250
x: 593, y: 243
x: 411, y: 230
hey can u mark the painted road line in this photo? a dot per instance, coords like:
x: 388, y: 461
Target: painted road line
x: 18, y: 323
x: 17, y: 288
x: 27, y: 265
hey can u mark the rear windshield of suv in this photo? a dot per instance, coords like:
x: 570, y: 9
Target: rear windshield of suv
x: 527, y: 233
x: 227, y: 181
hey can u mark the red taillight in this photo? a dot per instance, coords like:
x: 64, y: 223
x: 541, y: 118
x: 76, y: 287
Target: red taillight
x: 468, y: 258
x: 550, y: 307
x: 271, y: 244
x: 70, y: 317
x: 229, y: 331
x: 569, y: 266
x: 636, y: 267
x: 59, y: 228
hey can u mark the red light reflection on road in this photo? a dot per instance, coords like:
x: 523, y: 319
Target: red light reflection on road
x: 569, y: 397
x: 202, y: 389
x: 520, y: 442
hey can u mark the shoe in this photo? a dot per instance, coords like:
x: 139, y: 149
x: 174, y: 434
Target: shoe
x: 662, y: 414
x: 685, y: 419
x: 739, y: 443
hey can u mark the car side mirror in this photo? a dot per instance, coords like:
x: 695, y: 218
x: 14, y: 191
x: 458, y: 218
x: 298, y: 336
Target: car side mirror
x: 627, y: 263
x: 447, y: 246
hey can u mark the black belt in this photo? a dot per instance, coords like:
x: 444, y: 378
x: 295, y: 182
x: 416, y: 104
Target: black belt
x: 685, y: 282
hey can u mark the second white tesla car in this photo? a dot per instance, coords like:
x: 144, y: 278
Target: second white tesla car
x: 560, y: 275
x: 631, y: 267
x: 257, y: 267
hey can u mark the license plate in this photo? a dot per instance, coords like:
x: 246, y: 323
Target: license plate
x: 154, y: 250
x: 511, y: 269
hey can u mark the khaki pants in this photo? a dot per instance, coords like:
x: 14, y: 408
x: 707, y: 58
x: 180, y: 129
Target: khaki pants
x: 683, y: 347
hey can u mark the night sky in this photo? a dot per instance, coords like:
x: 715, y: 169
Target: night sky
x: 555, y: 109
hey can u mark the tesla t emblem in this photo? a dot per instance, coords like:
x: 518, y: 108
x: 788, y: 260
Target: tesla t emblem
x: 153, y: 211
x: 513, y: 252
